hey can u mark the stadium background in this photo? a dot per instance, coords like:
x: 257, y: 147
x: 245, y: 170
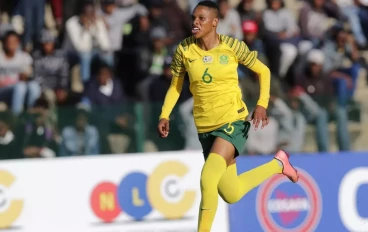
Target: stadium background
x: 87, y: 81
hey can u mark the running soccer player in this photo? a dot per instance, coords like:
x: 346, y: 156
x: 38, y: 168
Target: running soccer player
x: 211, y: 61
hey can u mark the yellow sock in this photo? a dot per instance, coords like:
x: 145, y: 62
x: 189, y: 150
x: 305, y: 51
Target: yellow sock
x: 233, y: 187
x: 212, y: 171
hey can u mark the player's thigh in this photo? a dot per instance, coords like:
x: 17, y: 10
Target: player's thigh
x: 224, y: 148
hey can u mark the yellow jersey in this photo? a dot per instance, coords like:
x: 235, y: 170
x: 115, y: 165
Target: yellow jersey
x: 214, y: 81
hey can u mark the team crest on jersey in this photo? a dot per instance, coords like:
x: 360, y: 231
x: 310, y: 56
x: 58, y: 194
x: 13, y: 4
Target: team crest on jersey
x: 224, y: 59
x: 207, y: 59
x: 284, y: 206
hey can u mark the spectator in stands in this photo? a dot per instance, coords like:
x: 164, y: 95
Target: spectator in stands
x: 9, y: 146
x: 363, y: 16
x: 230, y: 23
x: 159, y: 51
x: 104, y: 89
x: 115, y: 20
x: 51, y: 69
x: 81, y: 138
x: 158, y: 63
x: 281, y: 25
x: 15, y: 73
x: 157, y: 17
x: 350, y: 9
x: 107, y: 98
x: 135, y: 57
x: 332, y: 10
x: 33, y: 13
x: 250, y: 33
x: 289, y: 123
x: 287, y: 130
x: 5, y: 28
x: 316, y: 94
x: 313, y: 23
x: 70, y: 8
x: 270, y: 42
x: 37, y: 133
x: 57, y: 10
x: 246, y: 12
x: 87, y: 37
x: 178, y: 22
x: 339, y: 49
x: 292, y: 123
x: 7, y: 7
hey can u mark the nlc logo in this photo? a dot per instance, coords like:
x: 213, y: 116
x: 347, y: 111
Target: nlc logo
x: 10, y: 209
x: 138, y: 194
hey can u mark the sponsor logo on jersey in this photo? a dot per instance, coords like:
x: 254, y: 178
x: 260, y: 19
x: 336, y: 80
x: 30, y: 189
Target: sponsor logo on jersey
x: 284, y: 206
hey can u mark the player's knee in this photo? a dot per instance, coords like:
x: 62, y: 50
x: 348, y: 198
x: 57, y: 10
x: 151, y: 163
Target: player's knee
x: 230, y: 199
x: 212, y: 170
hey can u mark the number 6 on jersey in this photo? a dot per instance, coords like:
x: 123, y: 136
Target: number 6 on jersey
x: 207, y: 78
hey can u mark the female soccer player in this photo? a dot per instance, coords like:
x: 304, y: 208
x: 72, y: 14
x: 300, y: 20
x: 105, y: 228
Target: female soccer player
x: 211, y: 61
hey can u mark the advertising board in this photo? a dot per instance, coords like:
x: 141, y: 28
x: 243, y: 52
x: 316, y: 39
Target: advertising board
x: 123, y: 193
x: 331, y: 195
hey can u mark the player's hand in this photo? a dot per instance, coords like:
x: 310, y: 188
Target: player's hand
x: 259, y: 115
x: 163, y: 128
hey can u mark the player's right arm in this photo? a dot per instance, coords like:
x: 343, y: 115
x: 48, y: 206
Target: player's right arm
x: 173, y: 94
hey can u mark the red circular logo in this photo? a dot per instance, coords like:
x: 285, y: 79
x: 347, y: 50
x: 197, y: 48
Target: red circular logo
x: 285, y: 206
x: 104, y: 201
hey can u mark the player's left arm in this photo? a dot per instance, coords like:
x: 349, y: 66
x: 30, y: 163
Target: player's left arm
x: 250, y: 60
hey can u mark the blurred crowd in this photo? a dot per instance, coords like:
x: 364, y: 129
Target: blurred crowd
x: 73, y: 73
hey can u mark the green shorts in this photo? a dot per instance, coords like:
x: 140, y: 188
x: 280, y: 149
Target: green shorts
x: 236, y: 133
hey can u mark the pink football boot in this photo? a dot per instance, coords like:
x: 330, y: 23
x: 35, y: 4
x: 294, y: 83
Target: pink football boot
x: 288, y: 169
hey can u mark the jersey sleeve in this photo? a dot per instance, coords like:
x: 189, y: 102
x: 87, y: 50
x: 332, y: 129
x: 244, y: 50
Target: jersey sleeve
x: 173, y: 94
x: 244, y: 55
x: 249, y: 59
x: 264, y: 76
x: 177, y: 66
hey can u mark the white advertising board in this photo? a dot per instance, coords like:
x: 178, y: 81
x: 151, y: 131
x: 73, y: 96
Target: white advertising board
x: 119, y: 193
